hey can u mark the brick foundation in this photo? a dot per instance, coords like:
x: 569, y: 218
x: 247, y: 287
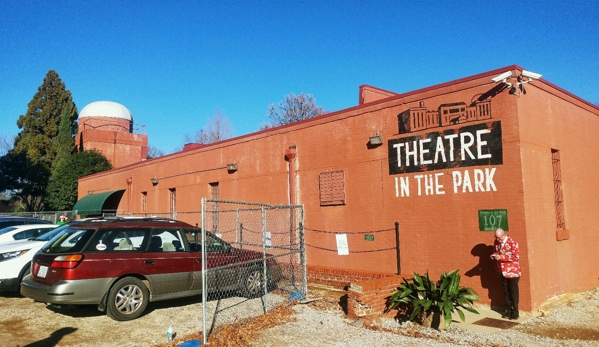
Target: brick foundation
x: 339, y: 278
x: 369, y: 297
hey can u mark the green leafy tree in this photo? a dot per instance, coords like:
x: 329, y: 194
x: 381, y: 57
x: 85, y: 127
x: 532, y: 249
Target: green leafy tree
x: 24, y: 178
x: 62, y: 189
x: 293, y: 109
x: 38, y: 137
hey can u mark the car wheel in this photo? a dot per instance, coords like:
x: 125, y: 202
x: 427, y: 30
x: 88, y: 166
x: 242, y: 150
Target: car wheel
x: 252, y: 282
x: 127, y: 300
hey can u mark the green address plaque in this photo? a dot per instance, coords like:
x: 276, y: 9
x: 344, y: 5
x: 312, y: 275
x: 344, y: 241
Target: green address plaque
x: 490, y: 220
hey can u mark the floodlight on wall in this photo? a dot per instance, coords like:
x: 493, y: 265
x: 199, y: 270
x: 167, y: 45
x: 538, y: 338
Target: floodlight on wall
x: 154, y: 181
x: 376, y: 140
x: 90, y: 192
x: 232, y: 167
x: 530, y: 76
x: 518, y: 88
x: 503, y: 78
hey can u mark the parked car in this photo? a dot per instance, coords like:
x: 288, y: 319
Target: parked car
x: 122, y: 264
x: 10, y: 221
x: 16, y: 256
x: 24, y: 232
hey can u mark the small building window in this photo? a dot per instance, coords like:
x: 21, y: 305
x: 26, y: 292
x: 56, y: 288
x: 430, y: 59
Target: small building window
x: 332, y: 188
x: 557, y: 190
x: 144, y: 202
x: 173, y: 202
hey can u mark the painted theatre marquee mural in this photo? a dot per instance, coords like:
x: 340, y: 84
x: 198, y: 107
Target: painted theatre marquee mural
x: 446, y: 141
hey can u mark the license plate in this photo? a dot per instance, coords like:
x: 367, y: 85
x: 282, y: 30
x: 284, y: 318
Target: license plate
x: 42, y: 271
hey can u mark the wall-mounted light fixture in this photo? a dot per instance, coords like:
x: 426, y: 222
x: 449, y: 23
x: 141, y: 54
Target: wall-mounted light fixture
x: 376, y: 140
x: 154, y: 181
x: 90, y: 192
x: 232, y: 167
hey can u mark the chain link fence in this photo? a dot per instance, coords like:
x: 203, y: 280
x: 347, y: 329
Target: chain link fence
x: 51, y: 216
x: 261, y: 262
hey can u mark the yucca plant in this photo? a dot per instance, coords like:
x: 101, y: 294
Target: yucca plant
x: 427, y: 297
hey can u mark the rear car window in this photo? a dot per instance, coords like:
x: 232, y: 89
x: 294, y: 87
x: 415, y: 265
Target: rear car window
x: 166, y: 240
x: 118, y: 240
x: 70, y: 241
x: 213, y: 243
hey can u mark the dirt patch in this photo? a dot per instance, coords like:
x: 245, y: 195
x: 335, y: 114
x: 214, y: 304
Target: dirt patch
x: 321, y: 322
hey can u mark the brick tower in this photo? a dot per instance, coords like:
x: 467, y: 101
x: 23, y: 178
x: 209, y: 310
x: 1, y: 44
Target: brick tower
x: 107, y: 126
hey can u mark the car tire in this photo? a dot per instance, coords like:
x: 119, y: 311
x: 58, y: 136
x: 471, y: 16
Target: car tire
x: 251, y: 284
x: 127, y: 300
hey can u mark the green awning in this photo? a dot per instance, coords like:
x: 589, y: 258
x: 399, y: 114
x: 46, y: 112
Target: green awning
x: 95, y: 204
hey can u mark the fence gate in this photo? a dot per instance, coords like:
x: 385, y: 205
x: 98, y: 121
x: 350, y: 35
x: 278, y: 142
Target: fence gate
x: 261, y: 265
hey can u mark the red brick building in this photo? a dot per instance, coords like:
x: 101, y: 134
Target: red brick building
x: 445, y: 162
x: 108, y: 127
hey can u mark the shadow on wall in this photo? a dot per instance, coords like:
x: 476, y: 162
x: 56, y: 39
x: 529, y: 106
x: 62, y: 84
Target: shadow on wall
x: 489, y: 277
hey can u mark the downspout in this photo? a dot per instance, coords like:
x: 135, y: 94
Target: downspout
x: 129, y: 181
x: 290, y: 154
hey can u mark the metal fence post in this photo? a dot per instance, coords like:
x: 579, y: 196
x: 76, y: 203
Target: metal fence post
x: 204, y: 287
x: 303, y: 259
x: 397, y: 247
x: 264, y: 258
x: 241, y: 236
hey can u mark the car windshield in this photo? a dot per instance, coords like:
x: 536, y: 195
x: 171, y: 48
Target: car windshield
x: 7, y: 229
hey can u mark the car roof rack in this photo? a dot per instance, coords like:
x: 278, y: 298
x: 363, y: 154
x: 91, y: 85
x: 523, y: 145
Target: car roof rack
x: 132, y: 218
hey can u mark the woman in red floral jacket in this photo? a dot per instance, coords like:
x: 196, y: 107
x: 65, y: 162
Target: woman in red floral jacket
x: 507, y: 256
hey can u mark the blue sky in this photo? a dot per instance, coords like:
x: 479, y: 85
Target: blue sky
x: 173, y: 64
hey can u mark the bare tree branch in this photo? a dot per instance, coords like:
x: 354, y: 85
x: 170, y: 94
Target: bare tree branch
x: 293, y: 109
x: 217, y: 129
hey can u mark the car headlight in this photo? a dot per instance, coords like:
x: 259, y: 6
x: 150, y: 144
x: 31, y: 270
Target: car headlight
x: 12, y: 255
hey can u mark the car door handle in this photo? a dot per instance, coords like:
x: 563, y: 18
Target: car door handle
x: 199, y: 260
x: 149, y: 262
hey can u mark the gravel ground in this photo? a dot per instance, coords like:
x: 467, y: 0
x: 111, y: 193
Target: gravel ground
x: 321, y: 323
x: 572, y: 324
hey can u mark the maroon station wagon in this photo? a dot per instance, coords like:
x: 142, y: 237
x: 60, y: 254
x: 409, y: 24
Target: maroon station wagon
x: 122, y: 264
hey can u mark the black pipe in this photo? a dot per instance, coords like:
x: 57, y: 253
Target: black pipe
x: 397, y: 246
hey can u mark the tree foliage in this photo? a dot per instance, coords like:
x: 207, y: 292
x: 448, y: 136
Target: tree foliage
x: 217, y: 129
x: 293, y: 109
x: 24, y: 178
x: 62, y: 189
x: 65, y: 144
x: 38, y: 137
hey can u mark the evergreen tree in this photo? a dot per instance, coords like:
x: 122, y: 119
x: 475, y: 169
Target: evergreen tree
x: 40, y: 124
x: 65, y: 137
x: 62, y: 189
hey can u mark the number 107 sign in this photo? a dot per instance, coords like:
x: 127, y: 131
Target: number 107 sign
x: 490, y: 220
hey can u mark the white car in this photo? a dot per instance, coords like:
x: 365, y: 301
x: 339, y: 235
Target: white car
x: 15, y: 258
x: 24, y: 232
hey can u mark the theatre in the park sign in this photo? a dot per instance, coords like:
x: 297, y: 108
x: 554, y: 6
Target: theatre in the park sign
x: 460, y: 149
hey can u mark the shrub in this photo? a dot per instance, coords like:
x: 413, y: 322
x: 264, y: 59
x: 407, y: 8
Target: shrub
x: 426, y: 297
